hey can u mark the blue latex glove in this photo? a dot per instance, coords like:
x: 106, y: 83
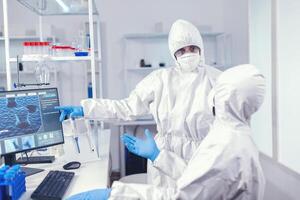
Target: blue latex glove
x: 69, y: 111
x: 146, y: 148
x: 98, y: 194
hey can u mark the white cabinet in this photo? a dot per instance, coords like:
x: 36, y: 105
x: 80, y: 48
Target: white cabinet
x: 153, y: 49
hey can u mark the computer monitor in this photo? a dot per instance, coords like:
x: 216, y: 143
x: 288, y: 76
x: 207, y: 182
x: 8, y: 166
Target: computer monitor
x: 28, y: 121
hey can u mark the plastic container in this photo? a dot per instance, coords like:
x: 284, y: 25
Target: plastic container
x: 60, y: 50
x: 36, y: 48
x: 26, y: 48
x: 42, y: 72
x: 81, y: 53
x: 12, y: 183
x: 46, y: 46
x: 90, y: 90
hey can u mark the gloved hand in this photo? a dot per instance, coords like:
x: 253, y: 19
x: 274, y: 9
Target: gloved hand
x: 146, y: 148
x: 98, y: 194
x: 69, y: 111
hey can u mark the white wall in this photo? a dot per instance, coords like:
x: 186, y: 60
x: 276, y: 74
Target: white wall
x: 236, y: 23
x: 260, y: 56
x: 288, y: 82
x: 139, y: 16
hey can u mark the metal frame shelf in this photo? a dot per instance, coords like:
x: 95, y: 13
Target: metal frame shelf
x: 58, y: 7
x: 90, y: 11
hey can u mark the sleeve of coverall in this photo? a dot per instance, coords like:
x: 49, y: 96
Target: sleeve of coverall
x: 201, y: 179
x: 129, y: 191
x: 208, y: 174
x: 175, y: 167
x: 135, y: 105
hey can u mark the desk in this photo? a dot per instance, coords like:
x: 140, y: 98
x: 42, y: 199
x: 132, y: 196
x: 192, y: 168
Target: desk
x: 93, y: 173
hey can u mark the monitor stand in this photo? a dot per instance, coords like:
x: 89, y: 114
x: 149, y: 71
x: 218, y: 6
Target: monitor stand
x: 35, y: 160
x: 10, y: 159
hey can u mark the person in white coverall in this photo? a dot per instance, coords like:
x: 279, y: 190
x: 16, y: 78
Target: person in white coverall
x: 175, y: 96
x: 226, y: 164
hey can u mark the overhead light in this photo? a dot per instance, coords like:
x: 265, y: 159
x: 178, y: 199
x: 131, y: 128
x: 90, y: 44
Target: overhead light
x: 63, y: 5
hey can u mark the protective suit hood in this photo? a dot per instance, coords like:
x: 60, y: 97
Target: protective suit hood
x: 238, y: 93
x: 183, y: 34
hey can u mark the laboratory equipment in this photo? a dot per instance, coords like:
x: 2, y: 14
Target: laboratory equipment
x: 54, y: 186
x: 75, y: 134
x: 142, y: 63
x: 75, y: 131
x: 81, y: 53
x: 42, y: 75
x: 63, y: 50
x: 42, y: 72
x: 73, y: 113
x: 161, y: 64
x: 35, y: 48
x: 12, y: 182
x: 28, y: 121
x: 90, y: 137
x: 90, y: 90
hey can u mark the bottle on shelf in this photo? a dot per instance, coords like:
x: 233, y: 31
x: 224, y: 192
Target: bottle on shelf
x: 42, y: 72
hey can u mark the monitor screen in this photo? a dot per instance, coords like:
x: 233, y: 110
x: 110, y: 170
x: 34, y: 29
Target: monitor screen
x: 28, y: 120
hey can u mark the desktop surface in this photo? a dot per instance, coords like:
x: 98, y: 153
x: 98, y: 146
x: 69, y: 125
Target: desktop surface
x: 92, y: 174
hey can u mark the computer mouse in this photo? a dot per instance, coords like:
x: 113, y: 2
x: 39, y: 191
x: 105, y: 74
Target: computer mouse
x: 72, y: 165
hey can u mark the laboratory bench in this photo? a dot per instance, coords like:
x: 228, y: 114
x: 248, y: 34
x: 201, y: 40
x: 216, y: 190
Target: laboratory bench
x: 94, y: 171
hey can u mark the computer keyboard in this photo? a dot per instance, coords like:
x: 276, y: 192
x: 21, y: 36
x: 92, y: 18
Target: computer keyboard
x: 54, y: 186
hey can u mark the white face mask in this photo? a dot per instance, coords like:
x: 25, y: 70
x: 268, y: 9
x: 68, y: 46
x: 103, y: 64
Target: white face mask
x: 188, y: 62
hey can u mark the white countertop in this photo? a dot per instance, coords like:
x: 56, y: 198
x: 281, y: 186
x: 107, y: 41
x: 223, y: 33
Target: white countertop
x: 93, y: 173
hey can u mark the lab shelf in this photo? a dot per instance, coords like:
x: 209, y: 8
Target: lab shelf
x: 58, y: 7
x: 15, y: 73
x: 21, y: 38
x: 89, y: 72
x: 153, y: 49
x: 145, y: 36
x: 54, y: 58
x: 3, y: 73
x: 163, y: 35
x: 143, y: 69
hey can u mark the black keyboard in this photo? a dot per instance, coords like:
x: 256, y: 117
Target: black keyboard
x: 54, y: 186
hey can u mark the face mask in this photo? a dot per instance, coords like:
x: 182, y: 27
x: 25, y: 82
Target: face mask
x: 188, y: 62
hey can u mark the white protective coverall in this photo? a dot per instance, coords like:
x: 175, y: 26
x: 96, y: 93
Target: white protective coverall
x: 177, y: 99
x: 226, y: 164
